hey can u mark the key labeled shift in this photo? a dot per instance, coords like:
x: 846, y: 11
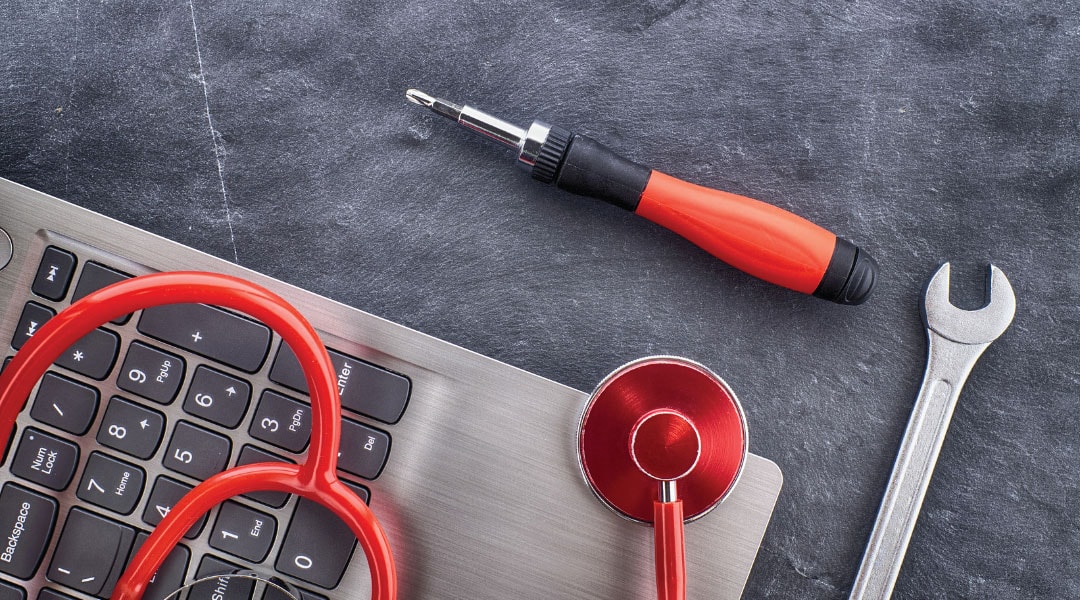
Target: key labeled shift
x: 757, y: 238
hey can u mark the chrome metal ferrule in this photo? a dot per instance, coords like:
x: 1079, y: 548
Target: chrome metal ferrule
x: 668, y: 492
x: 532, y: 142
x: 491, y: 127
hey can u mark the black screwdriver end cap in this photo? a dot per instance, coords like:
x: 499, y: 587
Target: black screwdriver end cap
x: 850, y: 276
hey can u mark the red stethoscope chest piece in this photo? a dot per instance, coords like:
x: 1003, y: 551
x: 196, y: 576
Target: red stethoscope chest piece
x: 635, y: 400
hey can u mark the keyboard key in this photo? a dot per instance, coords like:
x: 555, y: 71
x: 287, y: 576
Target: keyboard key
x: 33, y: 317
x: 221, y: 588
x: 217, y: 397
x: 363, y: 450
x: 93, y: 278
x: 65, y: 404
x: 54, y: 273
x: 10, y: 591
x: 166, y: 493
x: 364, y: 388
x: 211, y: 332
x: 282, y: 421
x: 47, y: 594
x: 170, y: 575
x: 45, y: 460
x: 131, y: 428
x: 111, y: 483
x: 317, y: 546
x: 91, y: 549
x: 250, y: 455
x: 273, y: 593
x: 151, y: 373
x: 93, y: 355
x: 243, y: 532
x: 26, y: 520
x: 197, y: 452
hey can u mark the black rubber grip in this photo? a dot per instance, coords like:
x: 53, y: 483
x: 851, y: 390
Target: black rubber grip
x: 850, y: 276
x: 588, y: 168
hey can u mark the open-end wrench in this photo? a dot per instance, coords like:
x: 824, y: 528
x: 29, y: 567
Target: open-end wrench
x: 956, y: 339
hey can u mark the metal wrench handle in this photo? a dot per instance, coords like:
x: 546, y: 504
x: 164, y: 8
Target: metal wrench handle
x: 948, y: 365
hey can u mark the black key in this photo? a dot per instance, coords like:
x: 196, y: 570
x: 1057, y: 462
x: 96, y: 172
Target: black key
x: 151, y: 373
x: 111, y: 483
x: 93, y: 355
x: 363, y: 450
x: 250, y: 455
x: 220, y: 588
x: 48, y: 594
x: 272, y: 593
x: 131, y: 428
x: 10, y: 591
x: 197, y: 452
x: 93, y: 278
x: 170, y: 575
x: 364, y: 388
x: 65, y: 404
x: 91, y: 549
x: 211, y: 332
x: 282, y: 421
x: 317, y: 546
x: 166, y: 493
x: 54, y: 273
x: 217, y: 397
x: 359, y: 490
x: 33, y: 317
x: 27, y: 519
x: 243, y: 532
x: 45, y: 460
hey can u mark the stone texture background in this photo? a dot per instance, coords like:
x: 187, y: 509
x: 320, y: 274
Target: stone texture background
x: 276, y: 135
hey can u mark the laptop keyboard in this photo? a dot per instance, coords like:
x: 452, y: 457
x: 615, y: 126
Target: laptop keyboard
x: 469, y: 464
x: 187, y: 409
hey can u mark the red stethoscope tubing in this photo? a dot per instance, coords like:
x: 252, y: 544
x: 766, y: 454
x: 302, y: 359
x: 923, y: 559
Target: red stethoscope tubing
x: 669, y: 550
x: 315, y: 478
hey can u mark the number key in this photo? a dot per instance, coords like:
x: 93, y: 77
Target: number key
x: 197, y: 452
x: 282, y: 421
x: 131, y: 428
x: 166, y: 493
x: 111, y: 483
x: 151, y: 373
x: 243, y: 532
x: 217, y: 397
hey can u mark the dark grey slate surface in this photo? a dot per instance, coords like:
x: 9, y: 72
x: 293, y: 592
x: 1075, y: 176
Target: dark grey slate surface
x: 275, y: 134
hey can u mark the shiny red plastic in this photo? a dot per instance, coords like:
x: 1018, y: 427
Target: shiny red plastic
x: 758, y: 238
x: 669, y: 550
x: 315, y: 478
x: 653, y: 384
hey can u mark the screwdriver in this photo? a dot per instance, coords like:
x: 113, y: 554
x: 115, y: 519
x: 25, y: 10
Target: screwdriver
x: 763, y: 240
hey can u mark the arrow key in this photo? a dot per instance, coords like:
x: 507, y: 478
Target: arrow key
x: 217, y: 397
x: 131, y: 428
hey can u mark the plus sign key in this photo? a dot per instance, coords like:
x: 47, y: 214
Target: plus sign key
x: 211, y: 332
x: 151, y: 373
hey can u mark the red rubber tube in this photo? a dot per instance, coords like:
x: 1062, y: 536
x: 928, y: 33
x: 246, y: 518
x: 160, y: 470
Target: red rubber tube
x: 315, y: 478
x: 761, y: 239
x: 670, y: 550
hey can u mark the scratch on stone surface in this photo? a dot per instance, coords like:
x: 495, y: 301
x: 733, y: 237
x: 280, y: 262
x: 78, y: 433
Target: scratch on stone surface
x: 71, y: 98
x: 219, y: 150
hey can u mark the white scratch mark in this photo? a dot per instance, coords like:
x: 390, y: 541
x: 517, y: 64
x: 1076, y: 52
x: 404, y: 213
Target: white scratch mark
x: 71, y: 98
x: 219, y: 151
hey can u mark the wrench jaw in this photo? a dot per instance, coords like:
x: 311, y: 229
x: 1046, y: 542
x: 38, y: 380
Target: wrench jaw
x: 980, y: 326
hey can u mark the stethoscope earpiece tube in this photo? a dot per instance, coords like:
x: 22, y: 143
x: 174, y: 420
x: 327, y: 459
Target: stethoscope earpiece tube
x: 315, y: 478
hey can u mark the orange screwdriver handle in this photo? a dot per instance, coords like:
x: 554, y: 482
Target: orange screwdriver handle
x: 761, y: 239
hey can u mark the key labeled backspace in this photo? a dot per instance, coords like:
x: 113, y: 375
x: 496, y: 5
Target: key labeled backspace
x: 26, y: 523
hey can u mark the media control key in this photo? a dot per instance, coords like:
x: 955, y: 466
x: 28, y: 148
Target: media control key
x: 54, y: 273
x: 33, y: 317
x: 93, y: 278
x: 26, y: 524
x: 87, y: 567
x: 45, y: 460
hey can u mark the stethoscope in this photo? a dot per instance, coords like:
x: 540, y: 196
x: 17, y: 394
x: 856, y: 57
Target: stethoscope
x: 661, y: 440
